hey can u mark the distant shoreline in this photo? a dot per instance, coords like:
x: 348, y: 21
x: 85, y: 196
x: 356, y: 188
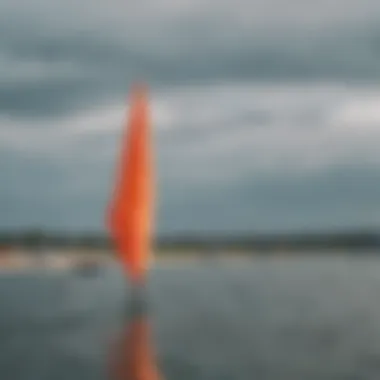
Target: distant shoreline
x: 90, y: 258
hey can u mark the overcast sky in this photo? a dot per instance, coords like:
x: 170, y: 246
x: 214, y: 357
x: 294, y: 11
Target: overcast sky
x: 266, y: 113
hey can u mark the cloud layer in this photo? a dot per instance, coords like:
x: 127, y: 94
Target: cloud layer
x: 229, y: 157
x: 264, y: 120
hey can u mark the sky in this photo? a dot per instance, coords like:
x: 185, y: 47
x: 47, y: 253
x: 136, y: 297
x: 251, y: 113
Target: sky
x: 266, y: 113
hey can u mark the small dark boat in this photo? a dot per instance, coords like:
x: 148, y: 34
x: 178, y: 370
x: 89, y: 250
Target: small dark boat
x: 87, y: 268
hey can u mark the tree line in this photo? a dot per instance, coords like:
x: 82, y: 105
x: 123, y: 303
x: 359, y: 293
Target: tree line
x: 37, y: 239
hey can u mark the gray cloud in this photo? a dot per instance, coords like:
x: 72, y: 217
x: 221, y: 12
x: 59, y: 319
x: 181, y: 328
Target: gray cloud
x: 232, y: 153
x: 55, y: 56
x: 222, y: 168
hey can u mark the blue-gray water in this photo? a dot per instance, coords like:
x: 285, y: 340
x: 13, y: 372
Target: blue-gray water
x: 311, y: 318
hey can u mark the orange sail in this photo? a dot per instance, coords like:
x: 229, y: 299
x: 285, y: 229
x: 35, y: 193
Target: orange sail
x: 129, y: 220
x: 131, y: 209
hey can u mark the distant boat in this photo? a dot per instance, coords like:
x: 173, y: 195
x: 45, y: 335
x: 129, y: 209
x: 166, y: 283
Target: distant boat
x: 87, y: 268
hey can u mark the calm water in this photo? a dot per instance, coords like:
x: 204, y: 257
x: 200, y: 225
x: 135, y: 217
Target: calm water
x: 314, y: 318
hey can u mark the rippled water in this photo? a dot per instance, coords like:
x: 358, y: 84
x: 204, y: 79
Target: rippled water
x: 312, y: 318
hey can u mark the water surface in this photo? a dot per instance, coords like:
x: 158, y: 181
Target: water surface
x: 311, y: 318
